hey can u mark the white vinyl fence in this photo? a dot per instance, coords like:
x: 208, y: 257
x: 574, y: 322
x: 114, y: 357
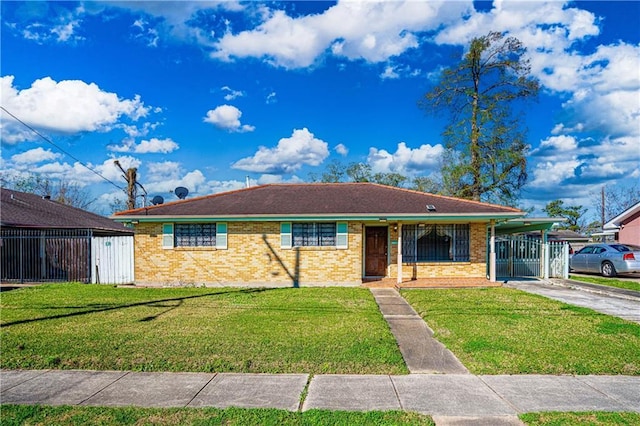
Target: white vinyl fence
x: 112, y: 260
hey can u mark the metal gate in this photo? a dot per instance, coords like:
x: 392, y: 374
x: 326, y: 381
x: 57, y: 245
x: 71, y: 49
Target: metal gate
x: 518, y: 256
x: 112, y: 260
x: 34, y: 255
x: 62, y: 255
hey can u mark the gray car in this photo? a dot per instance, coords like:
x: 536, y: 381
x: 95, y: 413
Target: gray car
x: 606, y: 259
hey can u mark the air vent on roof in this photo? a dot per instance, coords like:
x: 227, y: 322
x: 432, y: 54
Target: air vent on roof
x: 431, y: 208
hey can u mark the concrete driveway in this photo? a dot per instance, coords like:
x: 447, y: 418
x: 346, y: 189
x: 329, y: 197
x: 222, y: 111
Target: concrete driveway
x: 610, y: 302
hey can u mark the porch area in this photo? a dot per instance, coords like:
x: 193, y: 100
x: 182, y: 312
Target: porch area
x: 429, y: 283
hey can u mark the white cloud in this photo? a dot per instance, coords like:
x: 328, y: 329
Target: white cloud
x: 389, y: 73
x: 267, y: 179
x: 302, y: 148
x: 271, y: 98
x: 341, y: 149
x: 227, y: 117
x: 230, y: 93
x: 194, y: 181
x: 155, y: 145
x: 36, y: 155
x: 68, y: 106
x: 373, y: 31
x: 406, y: 160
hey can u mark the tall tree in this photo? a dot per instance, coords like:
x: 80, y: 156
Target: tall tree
x: 611, y: 200
x: 485, y: 141
x: 573, y: 214
x: 62, y: 191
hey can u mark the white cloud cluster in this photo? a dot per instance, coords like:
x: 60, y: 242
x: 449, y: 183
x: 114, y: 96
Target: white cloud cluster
x: 407, y: 161
x: 68, y: 106
x: 151, y: 146
x: 373, y: 31
x: 302, y: 148
x: 231, y: 94
x: 34, y: 156
x: 227, y: 117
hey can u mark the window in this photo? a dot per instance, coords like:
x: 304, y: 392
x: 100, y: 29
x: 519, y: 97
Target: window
x: 435, y: 243
x: 316, y: 234
x: 195, y: 234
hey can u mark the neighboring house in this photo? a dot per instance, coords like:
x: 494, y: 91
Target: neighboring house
x: 626, y: 226
x: 312, y: 234
x: 43, y: 240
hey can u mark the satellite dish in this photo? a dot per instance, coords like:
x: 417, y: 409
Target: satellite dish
x: 181, y: 192
x: 157, y: 200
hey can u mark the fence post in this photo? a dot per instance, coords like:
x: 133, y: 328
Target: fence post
x: 546, y: 260
x: 565, y: 261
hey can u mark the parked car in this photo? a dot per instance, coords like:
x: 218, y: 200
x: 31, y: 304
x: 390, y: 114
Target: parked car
x: 606, y: 259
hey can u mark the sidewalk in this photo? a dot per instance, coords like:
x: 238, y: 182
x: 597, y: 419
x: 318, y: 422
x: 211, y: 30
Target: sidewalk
x: 452, y: 395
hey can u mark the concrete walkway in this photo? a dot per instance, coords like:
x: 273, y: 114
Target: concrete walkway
x: 421, y: 352
x: 451, y: 398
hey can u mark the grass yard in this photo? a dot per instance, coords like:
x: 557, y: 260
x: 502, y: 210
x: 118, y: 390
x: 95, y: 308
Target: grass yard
x: 507, y: 331
x: 65, y: 415
x: 304, y: 330
x: 597, y: 418
x: 611, y: 282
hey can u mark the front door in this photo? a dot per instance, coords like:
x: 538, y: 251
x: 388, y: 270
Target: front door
x: 375, y: 258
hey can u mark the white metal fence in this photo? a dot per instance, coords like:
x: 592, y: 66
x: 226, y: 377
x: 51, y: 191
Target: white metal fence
x: 518, y: 256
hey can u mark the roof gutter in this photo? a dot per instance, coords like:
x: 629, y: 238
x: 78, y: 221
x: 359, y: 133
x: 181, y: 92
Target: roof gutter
x: 377, y: 217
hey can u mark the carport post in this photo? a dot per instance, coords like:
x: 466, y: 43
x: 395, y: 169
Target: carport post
x: 399, y: 253
x: 492, y: 253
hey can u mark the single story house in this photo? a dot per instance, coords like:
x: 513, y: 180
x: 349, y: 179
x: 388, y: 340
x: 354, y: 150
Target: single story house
x: 625, y: 227
x: 314, y: 234
x: 43, y: 240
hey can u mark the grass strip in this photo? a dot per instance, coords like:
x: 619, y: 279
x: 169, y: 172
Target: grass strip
x: 67, y: 415
x: 303, y: 330
x: 592, y: 418
x: 507, y: 331
x: 611, y: 282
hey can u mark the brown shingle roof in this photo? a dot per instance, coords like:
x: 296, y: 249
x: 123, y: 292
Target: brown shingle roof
x: 24, y: 210
x: 320, y: 199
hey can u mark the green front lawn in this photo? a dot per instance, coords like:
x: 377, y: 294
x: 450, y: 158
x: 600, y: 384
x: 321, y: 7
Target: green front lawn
x: 304, y: 330
x: 65, y: 415
x: 596, y: 418
x: 507, y: 331
x: 611, y: 282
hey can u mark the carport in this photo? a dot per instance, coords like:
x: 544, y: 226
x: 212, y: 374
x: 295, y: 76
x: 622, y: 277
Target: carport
x: 521, y: 249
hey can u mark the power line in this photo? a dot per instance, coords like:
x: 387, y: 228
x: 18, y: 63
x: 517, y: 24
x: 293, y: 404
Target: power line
x: 46, y: 139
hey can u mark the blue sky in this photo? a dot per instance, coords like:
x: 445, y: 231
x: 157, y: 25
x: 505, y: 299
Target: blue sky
x: 204, y: 94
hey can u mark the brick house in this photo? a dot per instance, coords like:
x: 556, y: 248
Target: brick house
x: 313, y: 234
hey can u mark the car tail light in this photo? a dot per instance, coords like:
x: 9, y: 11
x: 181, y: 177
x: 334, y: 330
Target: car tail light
x: 628, y: 256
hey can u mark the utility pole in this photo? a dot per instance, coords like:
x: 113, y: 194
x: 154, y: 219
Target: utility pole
x: 602, y: 210
x: 130, y: 175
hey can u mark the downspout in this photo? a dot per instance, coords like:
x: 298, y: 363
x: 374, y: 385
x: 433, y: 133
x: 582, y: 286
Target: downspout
x: 399, y: 253
x: 492, y: 253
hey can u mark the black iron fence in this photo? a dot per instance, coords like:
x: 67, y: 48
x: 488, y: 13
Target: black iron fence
x: 45, y: 255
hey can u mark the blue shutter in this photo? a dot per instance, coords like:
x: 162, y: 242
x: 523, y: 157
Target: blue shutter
x: 167, y: 235
x: 342, y: 235
x: 285, y: 235
x: 221, y: 235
